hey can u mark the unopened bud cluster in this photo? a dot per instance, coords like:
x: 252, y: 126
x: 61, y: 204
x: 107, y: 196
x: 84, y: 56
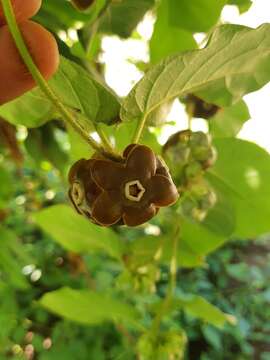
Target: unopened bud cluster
x: 189, y: 154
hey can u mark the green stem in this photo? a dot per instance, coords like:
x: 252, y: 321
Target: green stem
x: 190, y: 114
x: 171, y: 287
x: 92, y: 39
x: 103, y: 138
x: 173, y: 265
x: 67, y: 116
x: 139, y: 130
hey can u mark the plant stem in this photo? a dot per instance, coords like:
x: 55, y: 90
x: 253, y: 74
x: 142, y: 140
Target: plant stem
x: 171, y: 287
x: 67, y: 116
x: 139, y: 130
x: 92, y: 39
x: 103, y: 138
x: 173, y: 265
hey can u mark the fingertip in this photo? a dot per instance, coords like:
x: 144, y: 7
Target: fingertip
x: 23, y: 9
x: 15, y: 77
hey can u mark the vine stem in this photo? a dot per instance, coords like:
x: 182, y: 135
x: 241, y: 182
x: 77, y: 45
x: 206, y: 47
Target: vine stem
x: 171, y: 287
x: 103, y: 138
x: 41, y: 82
x: 139, y: 130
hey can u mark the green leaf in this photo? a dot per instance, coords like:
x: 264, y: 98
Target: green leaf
x: 200, y: 239
x: 221, y: 219
x: 41, y: 145
x: 235, y: 62
x: 8, y: 314
x: 12, y: 259
x: 87, y: 307
x: 144, y: 249
x: 79, y: 148
x: 168, y: 39
x: 78, y: 90
x: 229, y: 121
x: 75, y: 233
x: 59, y: 15
x: 121, y: 134
x: 243, y: 5
x: 198, y: 307
x: 122, y: 17
x: 31, y: 110
x: 242, y: 173
x: 7, y: 186
x: 195, y: 15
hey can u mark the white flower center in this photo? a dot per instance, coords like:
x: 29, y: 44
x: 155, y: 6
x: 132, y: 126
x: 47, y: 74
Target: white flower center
x: 134, y: 190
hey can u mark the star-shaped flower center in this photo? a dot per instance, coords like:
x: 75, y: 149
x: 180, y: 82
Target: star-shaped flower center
x: 134, y: 190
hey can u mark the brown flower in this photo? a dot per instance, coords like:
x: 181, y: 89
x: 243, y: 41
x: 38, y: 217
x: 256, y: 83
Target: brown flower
x: 129, y: 192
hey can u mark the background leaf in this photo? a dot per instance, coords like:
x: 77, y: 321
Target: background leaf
x: 7, y: 186
x: 199, y: 307
x: 245, y: 182
x: 12, y: 259
x: 243, y: 5
x: 122, y: 17
x: 144, y: 249
x: 195, y: 15
x: 31, y: 110
x: 167, y: 39
x: 42, y: 145
x: 229, y: 120
x: 76, y: 233
x: 235, y: 62
x: 87, y: 307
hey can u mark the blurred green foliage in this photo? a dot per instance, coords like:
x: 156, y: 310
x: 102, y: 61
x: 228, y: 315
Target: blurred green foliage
x: 183, y: 286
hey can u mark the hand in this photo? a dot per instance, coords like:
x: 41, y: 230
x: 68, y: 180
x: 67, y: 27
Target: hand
x: 15, y: 79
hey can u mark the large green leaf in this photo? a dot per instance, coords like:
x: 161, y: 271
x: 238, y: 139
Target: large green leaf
x: 198, y: 307
x: 195, y: 15
x: 31, y: 110
x: 168, y: 39
x: 88, y: 307
x: 75, y: 87
x: 122, y: 17
x: 235, y: 62
x: 242, y: 173
x: 229, y: 121
x: 77, y: 234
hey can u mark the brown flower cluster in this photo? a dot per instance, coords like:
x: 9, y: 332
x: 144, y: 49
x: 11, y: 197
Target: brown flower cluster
x: 128, y: 192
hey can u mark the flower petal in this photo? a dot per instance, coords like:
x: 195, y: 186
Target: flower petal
x: 128, y: 150
x: 162, y: 168
x: 76, y: 169
x: 134, y: 216
x: 107, y: 209
x: 142, y: 162
x: 162, y: 190
x: 107, y: 174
